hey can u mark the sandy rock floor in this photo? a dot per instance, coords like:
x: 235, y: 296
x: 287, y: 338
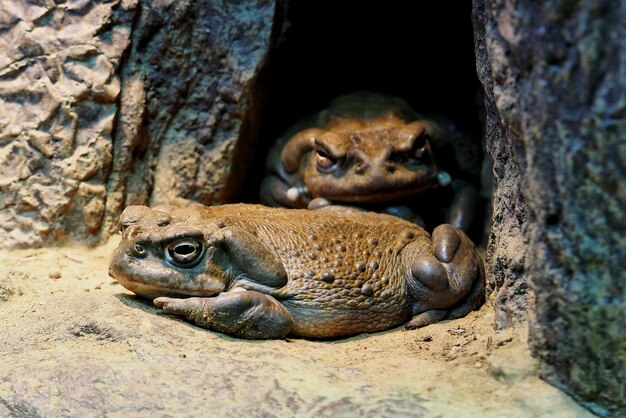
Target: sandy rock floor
x: 75, y: 343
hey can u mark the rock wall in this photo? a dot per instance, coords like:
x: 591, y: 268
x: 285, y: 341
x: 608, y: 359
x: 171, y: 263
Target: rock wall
x: 507, y: 244
x: 104, y: 104
x: 190, y: 102
x: 555, y: 77
x: 58, y: 89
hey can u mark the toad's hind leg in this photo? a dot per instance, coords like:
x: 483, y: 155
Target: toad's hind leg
x: 450, y: 282
x: 243, y: 314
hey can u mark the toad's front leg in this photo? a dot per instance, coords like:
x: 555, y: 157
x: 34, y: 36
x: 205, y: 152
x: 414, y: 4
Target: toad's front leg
x: 243, y: 314
x: 463, y: 207
x: 279, y: 193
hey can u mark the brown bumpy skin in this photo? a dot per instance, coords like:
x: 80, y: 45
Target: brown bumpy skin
x: 368, y: 150
x: 258, y: 272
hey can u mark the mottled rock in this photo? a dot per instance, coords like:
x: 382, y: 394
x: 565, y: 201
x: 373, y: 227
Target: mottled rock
x: 58, y: 92
x: 105, y: 104
x: 559, y: 90
x: 507, y: 242
x: 187, y: 109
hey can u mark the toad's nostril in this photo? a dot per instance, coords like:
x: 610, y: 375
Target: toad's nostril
x: 389, y: 168
x: 138, y: 250
x: 130, y: 231
x: 163, y: 221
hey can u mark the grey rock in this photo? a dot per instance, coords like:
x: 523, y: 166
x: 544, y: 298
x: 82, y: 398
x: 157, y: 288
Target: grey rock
x: 558, y: 83
x: 189, y: 86
x: 507, y: 242
x: 108, y: 104
x: 58, y: 92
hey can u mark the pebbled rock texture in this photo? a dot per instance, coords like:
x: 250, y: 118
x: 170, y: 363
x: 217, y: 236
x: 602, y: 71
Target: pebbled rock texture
x: 189, y: 105
x: 507, y: 243
x: 105, y: 104
x: 556, y: 73
x: 58, y: 89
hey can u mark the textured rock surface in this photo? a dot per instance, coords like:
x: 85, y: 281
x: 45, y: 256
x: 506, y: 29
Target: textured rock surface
x: 507, y: 242
x: 89, y: 124
x: 75, y: 344
x: 188, y: 86
x: 559, y: 84
x: 58, y: 88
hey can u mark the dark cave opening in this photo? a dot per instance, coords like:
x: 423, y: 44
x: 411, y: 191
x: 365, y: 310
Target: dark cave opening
x: 424, y: 55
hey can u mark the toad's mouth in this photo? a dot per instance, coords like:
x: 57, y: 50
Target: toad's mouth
x: 368, y: 194
x: 151, y: 290
x: 374, y: 197
x: 374, y: 187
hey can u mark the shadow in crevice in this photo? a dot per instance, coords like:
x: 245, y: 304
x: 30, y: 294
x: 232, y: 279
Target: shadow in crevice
x: 329, y: 49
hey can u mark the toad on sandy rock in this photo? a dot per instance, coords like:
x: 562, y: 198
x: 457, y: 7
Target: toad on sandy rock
x: 257, y: 272
x: 367, y: 149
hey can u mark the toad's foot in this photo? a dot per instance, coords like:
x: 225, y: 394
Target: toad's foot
x: 247, y: 314
x: 448, y: 284
x: 276, y: 192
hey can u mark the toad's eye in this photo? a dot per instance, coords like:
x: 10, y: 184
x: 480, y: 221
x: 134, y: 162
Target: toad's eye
x: 419, y: 150
x: 325, y: 163
x: 184, y: 253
